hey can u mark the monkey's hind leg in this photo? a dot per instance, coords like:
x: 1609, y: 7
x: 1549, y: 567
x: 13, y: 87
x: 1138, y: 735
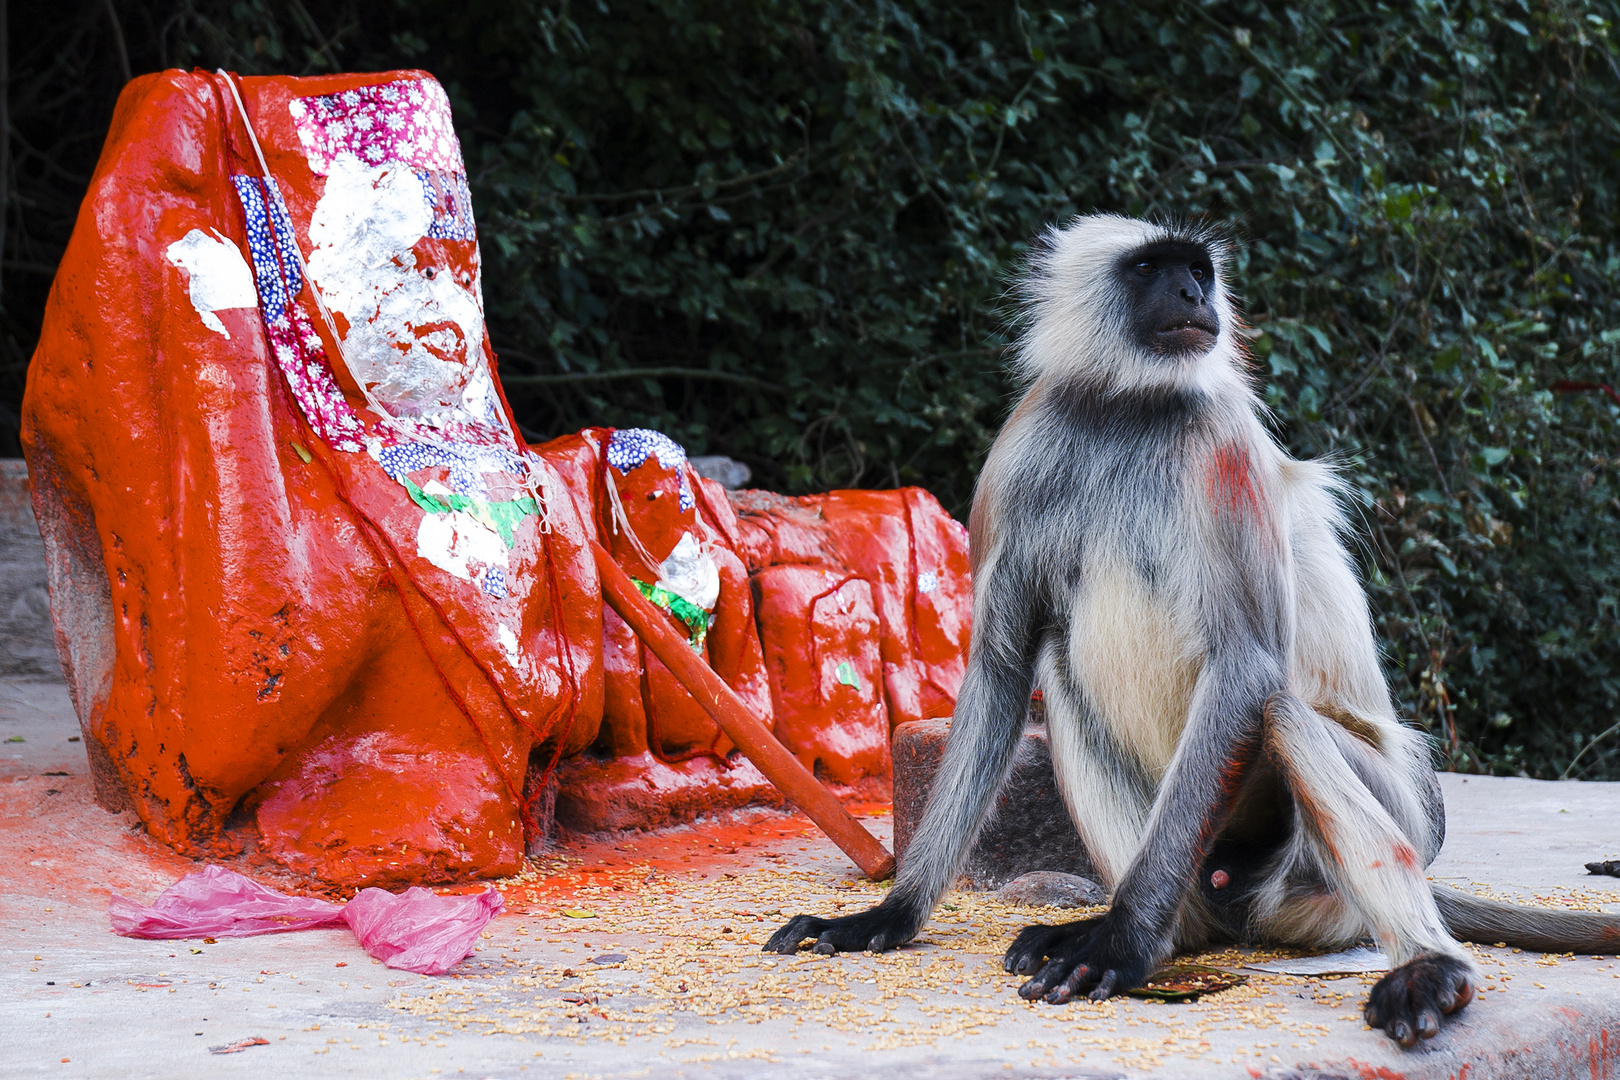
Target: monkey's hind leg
x: 1374, y: 867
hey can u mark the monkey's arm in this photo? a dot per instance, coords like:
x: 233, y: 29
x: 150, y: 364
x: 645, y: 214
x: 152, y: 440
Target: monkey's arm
x: 989, y: 719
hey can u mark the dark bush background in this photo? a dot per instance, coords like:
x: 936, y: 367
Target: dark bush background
x: 784, y: 231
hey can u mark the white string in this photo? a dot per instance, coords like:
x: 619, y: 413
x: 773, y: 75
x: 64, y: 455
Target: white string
x: 532, y: 483
x: 303, y: 267
x: 618, y: 517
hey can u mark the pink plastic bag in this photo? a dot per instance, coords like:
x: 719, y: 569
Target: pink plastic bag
x: 420, y: 930
x: 417, y: 930
x: 220, y: 903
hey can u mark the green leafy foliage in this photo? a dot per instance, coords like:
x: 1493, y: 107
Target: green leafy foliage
x: 786, y: 231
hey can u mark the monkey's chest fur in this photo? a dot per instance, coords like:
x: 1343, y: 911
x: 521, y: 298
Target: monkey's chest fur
x: 1135, y: 661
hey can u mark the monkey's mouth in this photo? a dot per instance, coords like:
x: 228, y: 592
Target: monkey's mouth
x: 1190, y: 334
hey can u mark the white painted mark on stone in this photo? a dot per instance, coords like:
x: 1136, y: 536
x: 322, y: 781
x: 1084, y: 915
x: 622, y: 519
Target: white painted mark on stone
x: 459, y: 544
x: 220, y: 278
x: 691, y: 574
x: 509, y: 644
x: 415, y: 334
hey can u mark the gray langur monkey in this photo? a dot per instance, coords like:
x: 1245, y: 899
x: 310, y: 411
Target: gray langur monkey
x: 1175, y: 584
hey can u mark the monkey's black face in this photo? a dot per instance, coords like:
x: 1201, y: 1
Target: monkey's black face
x: 1170, y: 286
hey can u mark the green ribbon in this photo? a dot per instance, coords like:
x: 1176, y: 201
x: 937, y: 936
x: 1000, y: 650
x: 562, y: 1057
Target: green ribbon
x: 502, y: 517
x: 696, y: 619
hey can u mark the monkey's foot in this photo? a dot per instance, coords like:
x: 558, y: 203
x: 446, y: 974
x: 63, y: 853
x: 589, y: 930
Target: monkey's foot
x: 1076, y: 958
x: 874, y: 929
x: 1409, y: 1001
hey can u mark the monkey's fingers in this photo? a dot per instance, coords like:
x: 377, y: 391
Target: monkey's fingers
x: 1463, y: 993
x: 1052, y: 974
x: 1105, y: 986
x: 1030, y: 948
x: 875, y: 929
x: 786, y: 940
x: 1065, y: 991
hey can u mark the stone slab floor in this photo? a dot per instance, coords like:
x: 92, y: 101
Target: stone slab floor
x: 638, y: 957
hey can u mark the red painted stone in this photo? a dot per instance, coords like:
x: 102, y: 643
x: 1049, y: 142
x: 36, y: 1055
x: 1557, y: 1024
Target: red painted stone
x: 914, y: 555
x: 820, y: 635
x: 242, y: 602
x: 647, y: 710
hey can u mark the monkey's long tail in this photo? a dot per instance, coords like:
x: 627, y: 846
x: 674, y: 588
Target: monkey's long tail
x: 1492, y: 922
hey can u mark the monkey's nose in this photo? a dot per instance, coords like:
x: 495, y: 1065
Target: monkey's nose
x: 1192, y: 294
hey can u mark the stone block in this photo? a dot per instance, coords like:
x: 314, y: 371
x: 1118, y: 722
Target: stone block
x: 27, y: 639
x: 1030, y: 828
x: 1051, y: 888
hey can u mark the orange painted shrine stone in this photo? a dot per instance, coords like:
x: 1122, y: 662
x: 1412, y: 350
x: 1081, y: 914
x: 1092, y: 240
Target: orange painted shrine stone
x: 266, y: 594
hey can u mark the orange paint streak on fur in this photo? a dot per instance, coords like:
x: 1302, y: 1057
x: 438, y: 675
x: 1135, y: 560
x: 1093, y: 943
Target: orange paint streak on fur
x: 1232, y: 773
x: 1316, y: 819
x: 1320, y: 822
x: 1406, y: 856
x: 1230, y: 482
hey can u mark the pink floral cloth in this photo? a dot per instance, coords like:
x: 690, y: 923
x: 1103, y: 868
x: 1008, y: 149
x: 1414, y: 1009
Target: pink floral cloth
x: 406, y: 121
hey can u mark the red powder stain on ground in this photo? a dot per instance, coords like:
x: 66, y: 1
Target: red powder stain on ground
x: 1373, y: 1072
x: 1599, y: 1053
x: 711, y: 848
x: 64, y: 851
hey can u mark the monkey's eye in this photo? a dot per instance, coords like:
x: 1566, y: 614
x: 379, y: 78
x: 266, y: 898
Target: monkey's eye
x: 1198, y: 273
x: 1146, y: 268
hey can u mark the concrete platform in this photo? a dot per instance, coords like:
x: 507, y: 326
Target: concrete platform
x: 692, y: 997
x: 664, y: 978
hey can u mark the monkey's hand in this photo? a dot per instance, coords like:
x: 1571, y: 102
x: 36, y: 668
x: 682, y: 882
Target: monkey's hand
x: 874, y: 929
x: 1081, y: 957
x: 1409, y: 1001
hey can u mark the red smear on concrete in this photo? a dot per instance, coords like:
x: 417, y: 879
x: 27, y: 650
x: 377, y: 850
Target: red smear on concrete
x: 629, y: 863
x: 1603, y: 1056
x: 64, y: 854
x: 1373, y: 1072
x: 59, y: 851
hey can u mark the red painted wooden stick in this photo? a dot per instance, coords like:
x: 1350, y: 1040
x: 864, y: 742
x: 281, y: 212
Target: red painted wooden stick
x: 741, y: 726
